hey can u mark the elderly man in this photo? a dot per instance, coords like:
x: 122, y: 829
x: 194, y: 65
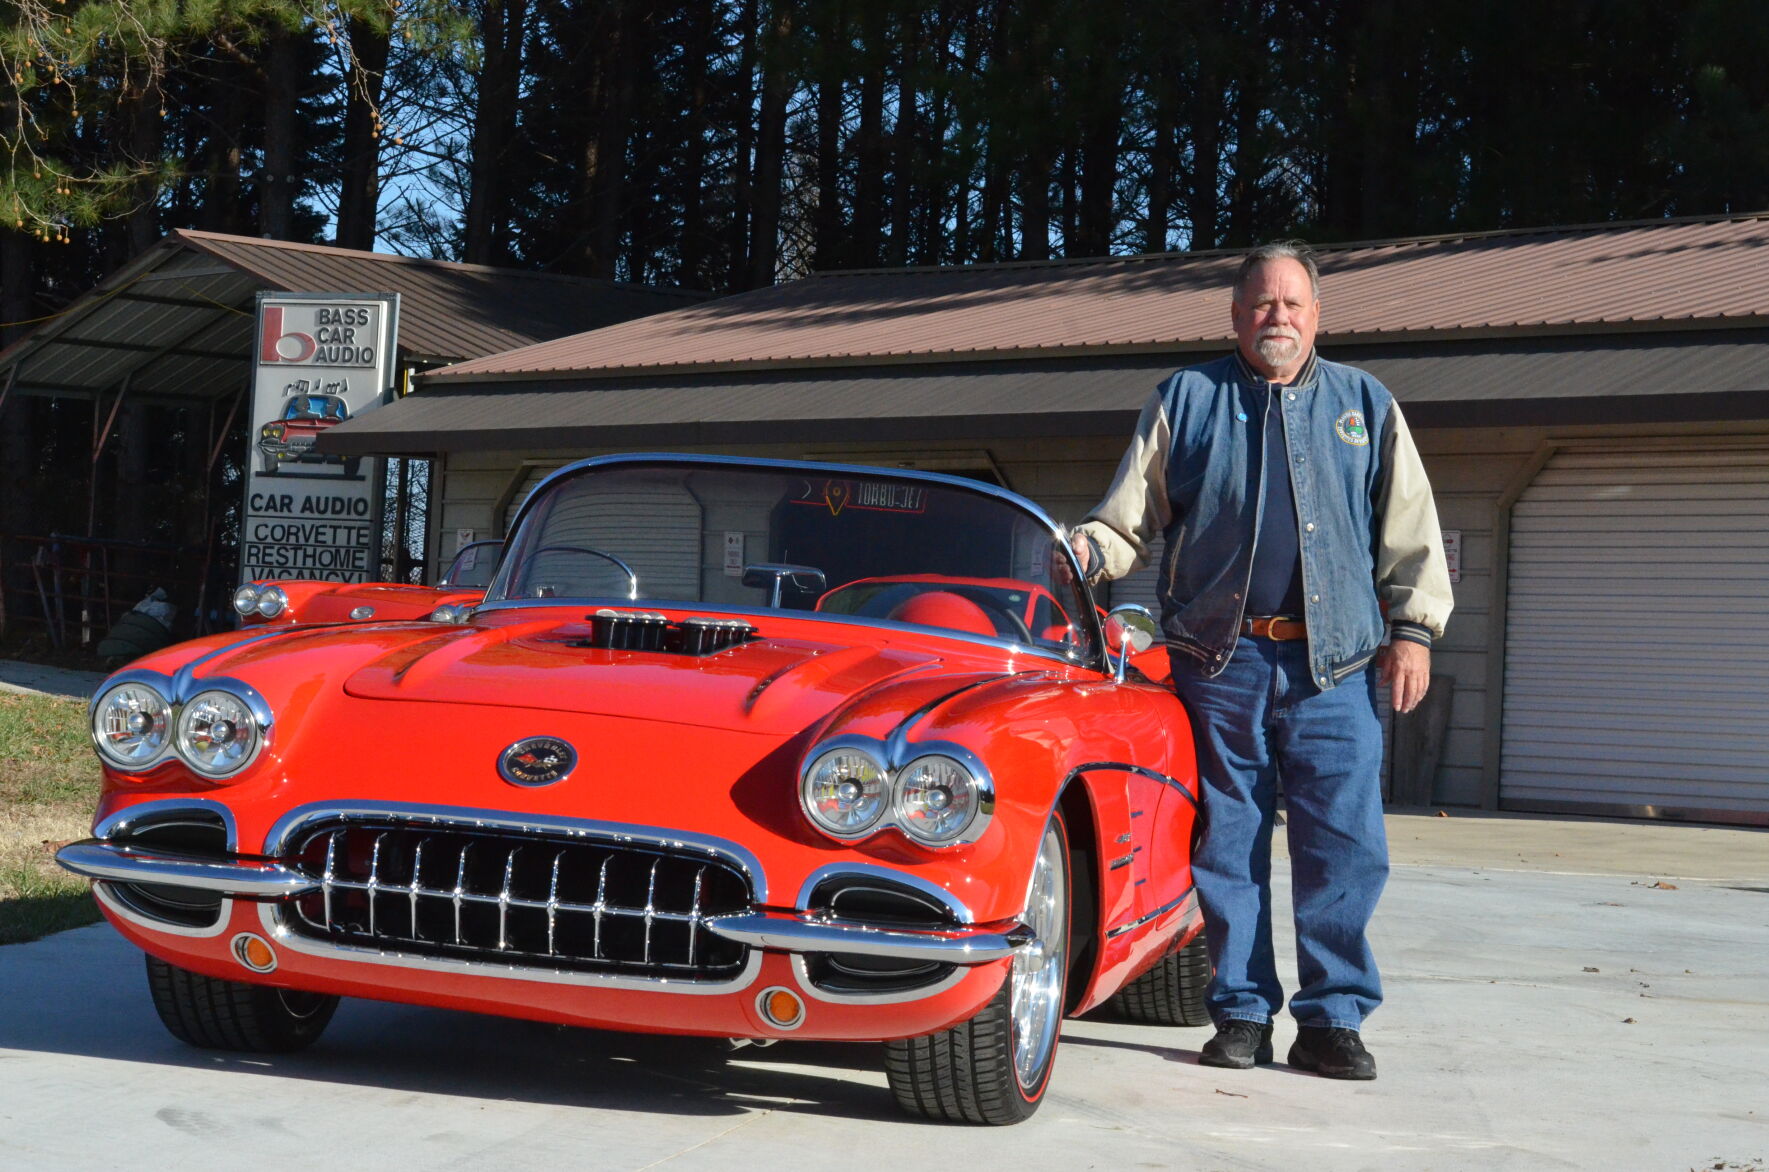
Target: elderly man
x: 1302, y: 546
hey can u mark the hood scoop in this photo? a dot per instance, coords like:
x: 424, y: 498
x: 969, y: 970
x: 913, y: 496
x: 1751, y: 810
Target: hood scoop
x: 638, y: 630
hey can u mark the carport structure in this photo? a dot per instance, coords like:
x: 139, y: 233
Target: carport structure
x: 158, y: 357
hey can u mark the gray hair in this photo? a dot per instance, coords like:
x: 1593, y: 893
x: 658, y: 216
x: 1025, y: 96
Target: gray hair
x: 1296, y: 250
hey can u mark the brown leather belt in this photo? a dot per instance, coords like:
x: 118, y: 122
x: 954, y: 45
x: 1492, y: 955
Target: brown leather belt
x: 1277, y: 626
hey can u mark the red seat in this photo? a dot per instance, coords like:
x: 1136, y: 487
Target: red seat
x: 942, y: 608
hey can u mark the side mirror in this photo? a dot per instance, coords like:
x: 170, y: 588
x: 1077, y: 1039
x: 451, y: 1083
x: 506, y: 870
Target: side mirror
x: 1130, y: 630
x: 775, y: 576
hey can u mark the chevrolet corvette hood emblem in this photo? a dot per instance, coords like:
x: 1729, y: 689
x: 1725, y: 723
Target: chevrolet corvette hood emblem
x: 537, y: 761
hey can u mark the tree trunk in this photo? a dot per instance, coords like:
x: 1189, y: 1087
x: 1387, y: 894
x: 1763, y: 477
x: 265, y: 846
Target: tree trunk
x: 832, y: 57
x: 276, y: 180
x: 359, y: 200
x: 696, y: 236
x: 503, y: 30
x: 764, y: 242
x: 869, y: 177
x: 738, y: 243
x: 904, y: 161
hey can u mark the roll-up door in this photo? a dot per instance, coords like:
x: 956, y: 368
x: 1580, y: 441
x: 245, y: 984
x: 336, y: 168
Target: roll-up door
x: 1636, y: 655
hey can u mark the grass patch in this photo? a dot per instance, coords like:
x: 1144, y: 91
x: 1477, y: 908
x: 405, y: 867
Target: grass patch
x: 49, y: 783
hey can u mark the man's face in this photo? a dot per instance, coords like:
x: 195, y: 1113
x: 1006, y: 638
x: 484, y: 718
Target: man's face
x: 1275, y: 318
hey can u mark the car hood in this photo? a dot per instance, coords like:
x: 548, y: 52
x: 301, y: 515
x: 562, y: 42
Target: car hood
x: 773, y: 685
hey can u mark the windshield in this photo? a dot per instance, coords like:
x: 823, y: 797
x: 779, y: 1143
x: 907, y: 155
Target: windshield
x: 858, y: 543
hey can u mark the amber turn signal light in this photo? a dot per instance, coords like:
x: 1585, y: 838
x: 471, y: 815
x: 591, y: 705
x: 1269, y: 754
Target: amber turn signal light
x: 254, y: 952
x: 781, y: 1008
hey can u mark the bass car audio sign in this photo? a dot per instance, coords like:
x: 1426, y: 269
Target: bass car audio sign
x: 320, y: 358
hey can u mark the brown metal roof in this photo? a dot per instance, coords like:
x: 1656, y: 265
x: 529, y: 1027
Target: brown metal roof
x: 1656, y: 378
x: 1656, y: 275
x: 177, y: 320
x: 447, y: 311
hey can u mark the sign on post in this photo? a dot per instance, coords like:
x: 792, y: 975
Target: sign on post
x: 319, y: 359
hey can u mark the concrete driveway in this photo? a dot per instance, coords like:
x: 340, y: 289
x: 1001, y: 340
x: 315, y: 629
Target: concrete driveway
x: 1535, y: 1020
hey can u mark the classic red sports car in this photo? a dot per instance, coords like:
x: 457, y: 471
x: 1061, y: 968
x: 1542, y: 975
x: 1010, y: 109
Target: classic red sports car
x: 287, y: 601
x: 647, y: 786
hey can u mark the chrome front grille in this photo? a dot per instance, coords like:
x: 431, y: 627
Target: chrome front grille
x: 548, y: 900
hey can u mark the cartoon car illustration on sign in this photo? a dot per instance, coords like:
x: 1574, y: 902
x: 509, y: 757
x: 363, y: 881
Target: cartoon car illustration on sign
x: 642, y: 788
x: 290, y: 439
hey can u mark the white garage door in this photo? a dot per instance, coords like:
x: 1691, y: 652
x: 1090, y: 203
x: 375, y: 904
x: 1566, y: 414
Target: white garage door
x: 1637, y: 651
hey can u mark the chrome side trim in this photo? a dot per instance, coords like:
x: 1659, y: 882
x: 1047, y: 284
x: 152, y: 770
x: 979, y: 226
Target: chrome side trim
x: 1124, y: 767
x: 123, y: 822
x: 954, y: 906
x: 105, y: 896
x: 1114, y: 933
x: 287, y: 827
x: 802, y: 974
x: 122, y: 863
x: 273, y: 916
x: 800, y: 933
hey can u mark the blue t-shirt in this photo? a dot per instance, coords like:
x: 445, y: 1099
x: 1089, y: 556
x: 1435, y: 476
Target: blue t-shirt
x: 1275, y: 586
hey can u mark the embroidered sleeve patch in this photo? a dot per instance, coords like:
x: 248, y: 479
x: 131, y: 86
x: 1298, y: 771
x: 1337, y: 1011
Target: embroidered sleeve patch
x: 1350, y: 428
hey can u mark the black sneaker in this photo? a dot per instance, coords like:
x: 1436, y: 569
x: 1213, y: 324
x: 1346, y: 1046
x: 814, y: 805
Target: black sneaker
x: 1238, y: 1045
x: 1332, y: 1053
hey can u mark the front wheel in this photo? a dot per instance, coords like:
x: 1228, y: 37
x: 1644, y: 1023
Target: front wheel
x: 232, y: 1015
x: 994, y: 1068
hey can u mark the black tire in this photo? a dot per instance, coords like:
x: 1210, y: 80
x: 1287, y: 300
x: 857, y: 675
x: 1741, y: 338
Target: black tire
x: 232, y: 1015
x: 970, y: 1072
x: 1171, y: 993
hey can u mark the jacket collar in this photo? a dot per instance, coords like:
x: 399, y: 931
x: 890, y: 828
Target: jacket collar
x: 1304, y: 377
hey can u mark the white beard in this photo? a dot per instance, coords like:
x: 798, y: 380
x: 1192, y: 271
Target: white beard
x: 1278, y: 349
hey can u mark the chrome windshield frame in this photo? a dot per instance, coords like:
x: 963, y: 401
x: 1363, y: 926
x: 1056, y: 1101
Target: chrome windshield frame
x: 1097, y: 661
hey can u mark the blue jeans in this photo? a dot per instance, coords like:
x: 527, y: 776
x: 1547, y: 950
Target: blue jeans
x: 1261, y: 717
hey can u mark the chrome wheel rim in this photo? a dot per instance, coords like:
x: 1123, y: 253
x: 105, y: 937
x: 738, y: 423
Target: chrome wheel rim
x: 1036, y: 992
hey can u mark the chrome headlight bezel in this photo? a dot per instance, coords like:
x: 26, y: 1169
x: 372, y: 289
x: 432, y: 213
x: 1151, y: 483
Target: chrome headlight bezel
x: 450, y: 612
x: 165, y: 722
x: 245, y: 599
x: 898, y: 760
x: 973, y: 794
x: 861, y: 752
x: 244, y: 729
x: 178, y: 693
x: 272, y: 601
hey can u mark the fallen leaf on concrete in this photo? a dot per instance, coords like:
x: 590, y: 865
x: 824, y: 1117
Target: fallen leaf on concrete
x: 1591, y: 969
x: 1629, y: 1021
x: 1230, y: 1094
x: 1663, y: 886
x: 1442, y: 814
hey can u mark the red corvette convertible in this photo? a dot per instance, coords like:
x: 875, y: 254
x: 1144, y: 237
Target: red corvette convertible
x: 648, y: 785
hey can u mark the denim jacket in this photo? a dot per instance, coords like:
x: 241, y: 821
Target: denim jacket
x: 1366, y: 522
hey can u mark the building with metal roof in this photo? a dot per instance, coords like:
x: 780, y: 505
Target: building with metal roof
x: 1591, y: 402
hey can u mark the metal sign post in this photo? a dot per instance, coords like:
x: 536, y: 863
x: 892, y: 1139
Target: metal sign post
x: 319, y: 359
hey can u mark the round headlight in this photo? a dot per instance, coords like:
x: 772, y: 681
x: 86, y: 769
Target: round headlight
x: 844, y: 792
x: 937, y: 799
x: 450, y: 613
x: 129, y: 725
x: 245, y: 599
x: 217, y: 734
x: 272, y: 601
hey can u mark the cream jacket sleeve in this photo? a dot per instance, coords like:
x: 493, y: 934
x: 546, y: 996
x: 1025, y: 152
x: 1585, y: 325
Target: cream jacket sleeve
x: 1135, y: 509
x: 1412, y: 573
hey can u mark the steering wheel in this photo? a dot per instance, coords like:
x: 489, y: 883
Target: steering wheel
x: 632, y: 578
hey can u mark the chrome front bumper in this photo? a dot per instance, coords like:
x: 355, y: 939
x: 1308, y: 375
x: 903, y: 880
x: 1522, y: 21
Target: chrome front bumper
x: 802, y: 932
x: 95, y: 858
x: 799, y: 932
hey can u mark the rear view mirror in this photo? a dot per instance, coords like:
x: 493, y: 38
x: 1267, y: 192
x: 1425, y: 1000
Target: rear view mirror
x: 1130, y: 630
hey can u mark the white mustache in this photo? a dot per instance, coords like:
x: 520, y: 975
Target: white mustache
x: 1279, y: 332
